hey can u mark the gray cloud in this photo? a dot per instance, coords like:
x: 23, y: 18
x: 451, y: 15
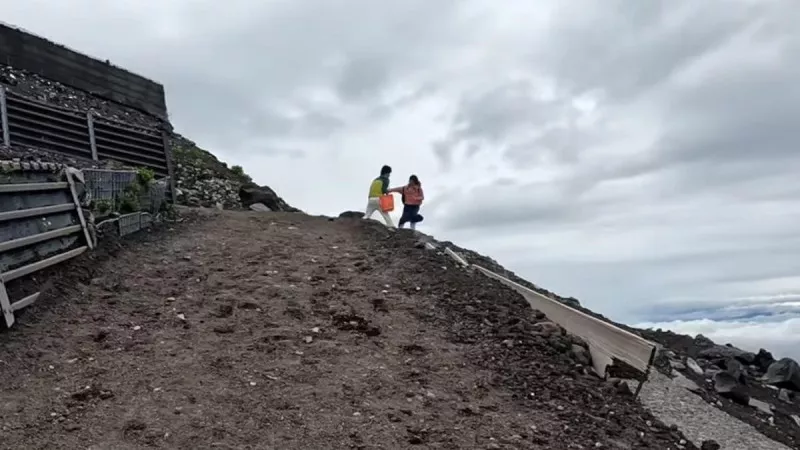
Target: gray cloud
x: 626, y: 48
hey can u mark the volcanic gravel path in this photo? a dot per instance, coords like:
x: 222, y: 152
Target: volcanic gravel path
x: 285, y: 331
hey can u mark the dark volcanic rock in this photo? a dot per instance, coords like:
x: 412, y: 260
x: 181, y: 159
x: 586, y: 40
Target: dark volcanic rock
x: 351, y: 215
x: 763, y: 360
x: 252, y: 194
x: 784, y: 373
x: 717, y: 352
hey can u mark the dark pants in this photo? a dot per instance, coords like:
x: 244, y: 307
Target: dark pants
x: 410, y: 214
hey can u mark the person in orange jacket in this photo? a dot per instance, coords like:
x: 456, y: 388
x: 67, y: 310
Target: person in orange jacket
x: 412, y: 197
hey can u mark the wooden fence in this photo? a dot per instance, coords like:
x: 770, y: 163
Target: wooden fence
x: 41, y: 224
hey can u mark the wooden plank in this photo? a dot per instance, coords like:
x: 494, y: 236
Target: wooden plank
x: 39, y: 265
x: 32, y: 212
x: 5, y: 305
x: 36, y: 238
x: 27, y: 301
x: 79, y: 210
x: 31, y: 187
x: 4, y: 116
x: 57, y: 110
x: 19, y: 113
x: 155, y: 141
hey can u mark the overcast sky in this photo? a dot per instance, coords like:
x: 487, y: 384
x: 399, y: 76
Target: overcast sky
x: 639, y: 155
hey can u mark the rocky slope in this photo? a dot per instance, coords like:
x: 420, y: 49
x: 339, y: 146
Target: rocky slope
x: 204, y: 180
x: 751, y: 387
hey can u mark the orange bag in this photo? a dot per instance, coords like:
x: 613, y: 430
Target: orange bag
x: 386, y: 202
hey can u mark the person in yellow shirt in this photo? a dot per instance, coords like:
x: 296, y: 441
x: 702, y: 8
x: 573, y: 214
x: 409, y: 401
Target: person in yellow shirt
x: 379, y: 187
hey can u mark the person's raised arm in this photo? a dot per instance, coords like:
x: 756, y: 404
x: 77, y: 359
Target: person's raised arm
x: 399, y: 190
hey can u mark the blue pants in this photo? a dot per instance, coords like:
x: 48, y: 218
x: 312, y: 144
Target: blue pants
x: 410, y: 214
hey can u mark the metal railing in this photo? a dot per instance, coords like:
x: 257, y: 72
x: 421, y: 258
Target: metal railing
x: 41, y: 224
x: 29, y: 122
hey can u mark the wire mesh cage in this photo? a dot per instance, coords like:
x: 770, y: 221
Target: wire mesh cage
x: 145, y: 220
x: 108, y: 186
x: 130, y: 223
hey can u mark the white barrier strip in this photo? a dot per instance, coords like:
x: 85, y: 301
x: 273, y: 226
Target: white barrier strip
x: 455, y: 256
x: 605, y: 340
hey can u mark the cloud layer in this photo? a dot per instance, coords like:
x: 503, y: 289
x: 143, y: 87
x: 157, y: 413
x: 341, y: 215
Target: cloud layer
x: 640, y: 156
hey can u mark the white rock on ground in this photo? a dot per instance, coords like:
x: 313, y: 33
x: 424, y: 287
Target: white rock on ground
x: 673, y: 404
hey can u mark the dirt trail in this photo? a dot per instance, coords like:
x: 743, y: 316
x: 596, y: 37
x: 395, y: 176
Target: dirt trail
x: 284, y: 331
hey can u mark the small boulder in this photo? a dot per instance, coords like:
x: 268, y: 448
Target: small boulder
x: 727, y: 386
x: 710, y: 445
x: 784, y: 373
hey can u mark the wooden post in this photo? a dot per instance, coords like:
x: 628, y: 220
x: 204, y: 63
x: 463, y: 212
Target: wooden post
x: 170, y: 166
x: 92, y: 141
x: 79, y: 210
x: 5, y: 305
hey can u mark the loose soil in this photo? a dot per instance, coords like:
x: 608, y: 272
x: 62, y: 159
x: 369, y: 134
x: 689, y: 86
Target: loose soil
x: 285, y: 331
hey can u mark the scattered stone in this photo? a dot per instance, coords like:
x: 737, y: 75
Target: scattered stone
x: 693, y: 366
x: 710, y: 445
x: 761, y: 406
x: 224, y: 329
x: 308, y: 339
x: 786, y: 396
x: 100, y: 335
x: 260, y: 207
x: 677, y: 365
